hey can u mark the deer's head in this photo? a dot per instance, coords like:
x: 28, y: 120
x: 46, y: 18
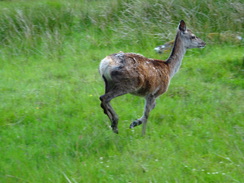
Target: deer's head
x: 189, y: 39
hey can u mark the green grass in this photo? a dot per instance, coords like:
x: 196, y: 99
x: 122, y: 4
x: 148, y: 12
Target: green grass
x: 52, y: 126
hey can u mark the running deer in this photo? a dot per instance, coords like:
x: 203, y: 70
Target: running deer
x: 149, y: 78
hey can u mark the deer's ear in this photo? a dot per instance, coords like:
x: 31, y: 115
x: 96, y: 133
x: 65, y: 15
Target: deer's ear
x: 182, y: 26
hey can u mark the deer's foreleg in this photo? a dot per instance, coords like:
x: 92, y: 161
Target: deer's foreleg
x: 150, y: 104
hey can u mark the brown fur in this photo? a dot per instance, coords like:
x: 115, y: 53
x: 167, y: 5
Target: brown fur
x: 144, y: 74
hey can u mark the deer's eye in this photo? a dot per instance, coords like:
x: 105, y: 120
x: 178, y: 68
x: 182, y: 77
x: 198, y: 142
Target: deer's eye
x: 193, y: 37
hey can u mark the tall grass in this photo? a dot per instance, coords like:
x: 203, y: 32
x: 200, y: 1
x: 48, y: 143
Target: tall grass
x: 44, y: 26
x: 159, y: 17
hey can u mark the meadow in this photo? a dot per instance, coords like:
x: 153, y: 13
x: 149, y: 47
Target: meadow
x: 52, y: 128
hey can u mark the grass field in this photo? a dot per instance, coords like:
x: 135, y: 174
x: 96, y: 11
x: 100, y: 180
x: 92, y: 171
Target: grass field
x: 52, y: 126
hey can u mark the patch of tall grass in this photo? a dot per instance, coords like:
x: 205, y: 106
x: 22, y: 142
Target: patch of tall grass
x: 158, y: 18
x: 44, y: 26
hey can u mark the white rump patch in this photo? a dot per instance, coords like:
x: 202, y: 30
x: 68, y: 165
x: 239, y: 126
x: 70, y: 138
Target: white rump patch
x: 104, y: 67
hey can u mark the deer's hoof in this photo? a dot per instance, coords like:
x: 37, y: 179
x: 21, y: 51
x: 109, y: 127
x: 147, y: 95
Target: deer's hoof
x: 115, y: 130
x: 135, y: 123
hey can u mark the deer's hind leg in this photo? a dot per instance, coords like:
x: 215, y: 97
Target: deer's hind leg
x: 111, y: 91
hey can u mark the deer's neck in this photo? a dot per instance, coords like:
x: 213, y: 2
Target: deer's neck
x: 175, y: 59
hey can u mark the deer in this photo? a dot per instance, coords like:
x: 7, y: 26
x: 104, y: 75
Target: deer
x: 165, y: 47
x: 141, y: 76
x: 221, y: 37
